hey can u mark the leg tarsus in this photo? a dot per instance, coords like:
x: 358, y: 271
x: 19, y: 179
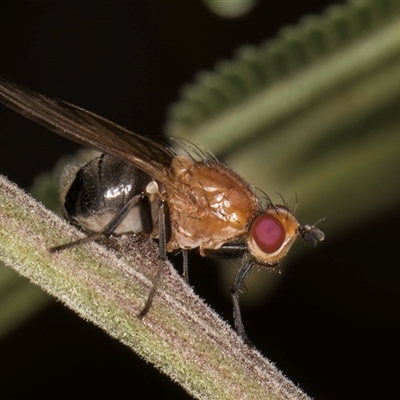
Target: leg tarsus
x: 153, y: 290
x: 237, y: 319
x: 163, y: 236
x: 241, y: 275
x: 90, y: 238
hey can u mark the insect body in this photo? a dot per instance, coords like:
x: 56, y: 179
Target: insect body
x: 140, y: 185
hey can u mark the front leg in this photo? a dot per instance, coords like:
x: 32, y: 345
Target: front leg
x: 241, y: 275
x: 230, y: 251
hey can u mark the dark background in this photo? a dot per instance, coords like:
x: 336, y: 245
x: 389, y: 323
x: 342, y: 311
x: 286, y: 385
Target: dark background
x: 126, y: 61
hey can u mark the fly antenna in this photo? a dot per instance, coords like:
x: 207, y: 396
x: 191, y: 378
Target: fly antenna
x: 311, y: 235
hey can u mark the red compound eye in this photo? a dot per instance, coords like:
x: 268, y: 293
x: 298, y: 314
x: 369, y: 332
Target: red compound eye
x: 268, y: 232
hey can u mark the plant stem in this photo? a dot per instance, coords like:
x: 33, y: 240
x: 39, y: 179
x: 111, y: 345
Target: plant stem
x: 180, y: 335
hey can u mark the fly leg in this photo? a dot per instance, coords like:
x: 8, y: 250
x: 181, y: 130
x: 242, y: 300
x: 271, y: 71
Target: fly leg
x: 185, y: 268
x: 228, y: 251
x: 241, y: 276
x: 147, y: 224
x: 163, y: 238
x: 231, y: 251
x: 110, y: 227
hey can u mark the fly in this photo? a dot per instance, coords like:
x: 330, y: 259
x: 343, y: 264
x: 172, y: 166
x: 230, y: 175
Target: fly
x: 142, y: 186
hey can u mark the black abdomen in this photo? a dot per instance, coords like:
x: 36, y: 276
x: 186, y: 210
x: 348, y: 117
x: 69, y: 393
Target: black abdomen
x: 101, y: 189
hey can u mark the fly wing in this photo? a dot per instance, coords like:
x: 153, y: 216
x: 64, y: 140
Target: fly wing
x: 89, y: 129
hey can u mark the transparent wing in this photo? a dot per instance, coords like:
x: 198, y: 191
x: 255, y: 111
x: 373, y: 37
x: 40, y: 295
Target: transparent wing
x: 89, y: 129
